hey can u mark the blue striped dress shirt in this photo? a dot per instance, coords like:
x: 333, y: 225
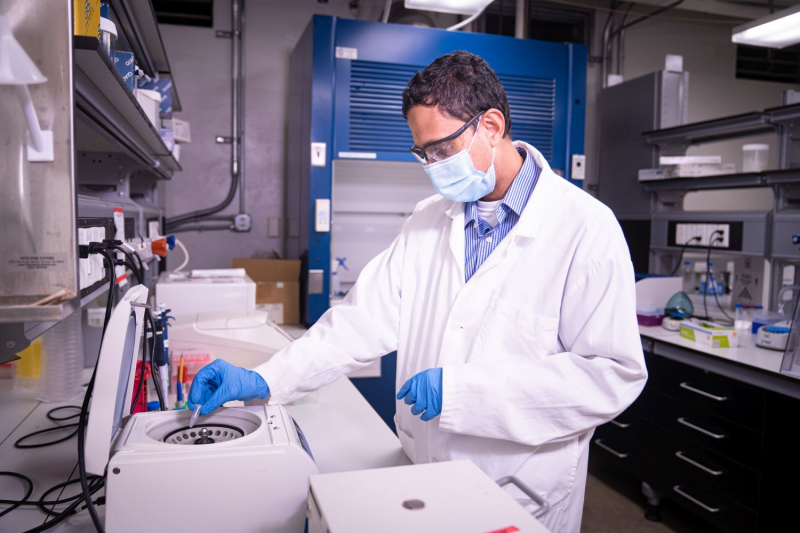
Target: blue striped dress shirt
x: 481, y: 238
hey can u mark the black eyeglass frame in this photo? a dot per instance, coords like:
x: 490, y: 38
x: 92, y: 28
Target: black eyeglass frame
x: 420, y: 152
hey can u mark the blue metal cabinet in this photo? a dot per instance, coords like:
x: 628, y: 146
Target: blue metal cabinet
x: 346, y: 84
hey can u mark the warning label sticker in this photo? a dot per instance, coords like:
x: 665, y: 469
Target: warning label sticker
x: 32, y: 263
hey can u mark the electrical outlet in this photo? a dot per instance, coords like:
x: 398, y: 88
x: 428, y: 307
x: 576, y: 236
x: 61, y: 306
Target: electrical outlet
x: 703, y: 235
x: 273, y: 227
x: 724, y: 231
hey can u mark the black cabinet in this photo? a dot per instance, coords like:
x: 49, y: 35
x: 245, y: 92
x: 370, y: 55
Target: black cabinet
x: 717, y: 447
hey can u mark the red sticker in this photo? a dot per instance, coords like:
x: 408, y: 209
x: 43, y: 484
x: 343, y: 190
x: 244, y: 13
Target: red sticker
x: 509, y: 529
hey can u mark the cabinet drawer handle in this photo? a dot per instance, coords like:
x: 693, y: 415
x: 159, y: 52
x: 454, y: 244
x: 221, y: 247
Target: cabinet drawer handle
x: 609, y: 449
x: 688, y: 424
x: 692, y: 462
x: 686, y: 386
x: 677, y: 488
x: 622, y: 425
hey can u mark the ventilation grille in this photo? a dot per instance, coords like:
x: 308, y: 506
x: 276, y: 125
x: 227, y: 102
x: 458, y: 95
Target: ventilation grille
x: 376, y: 108
x: 533, y: 110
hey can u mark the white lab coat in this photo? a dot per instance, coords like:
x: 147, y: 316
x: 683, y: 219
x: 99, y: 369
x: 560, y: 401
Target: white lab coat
x: 537, y: 349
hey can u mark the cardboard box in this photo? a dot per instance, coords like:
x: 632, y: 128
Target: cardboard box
x: 124, y: 62
x: 277, y: 282
x: 87, y: 17
x: 710, y: 334
x: 163, y: 87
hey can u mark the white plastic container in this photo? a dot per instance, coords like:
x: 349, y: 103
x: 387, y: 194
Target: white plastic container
x: 63, y: 360
x: 108, y: 36
x: 150, y: 101
x: 755, y: 157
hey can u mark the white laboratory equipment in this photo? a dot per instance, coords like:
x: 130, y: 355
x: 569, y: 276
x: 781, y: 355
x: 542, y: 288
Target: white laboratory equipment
x: 774, y: 336
x: 243, y: 338
x: 443, y: 496
x: 241, y: 468
x: 186, y: 294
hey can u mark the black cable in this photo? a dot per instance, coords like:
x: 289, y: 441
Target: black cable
x: 15, y: 504
x: 22, y: 439
x: 87, y: 495
x: 50, y: 416
x: 95, y: 484
x: 127, y: 263
x: 680, y: 258
x: 130, y: 256
x: 61, y: 419
x: 89, y: 484
x: 711, y: 242
x: 154, y: 370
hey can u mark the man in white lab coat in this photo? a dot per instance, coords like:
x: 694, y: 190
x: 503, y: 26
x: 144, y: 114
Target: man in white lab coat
x: 508, y: 296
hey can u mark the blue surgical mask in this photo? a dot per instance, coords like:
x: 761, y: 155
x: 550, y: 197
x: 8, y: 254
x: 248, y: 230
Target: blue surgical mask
x: 456, y: 178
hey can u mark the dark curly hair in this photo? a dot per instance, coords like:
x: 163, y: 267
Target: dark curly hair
x: 461, y: 84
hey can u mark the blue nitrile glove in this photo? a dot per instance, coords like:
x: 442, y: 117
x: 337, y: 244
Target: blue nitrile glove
x: 219, y: 382
x: 424, y: 391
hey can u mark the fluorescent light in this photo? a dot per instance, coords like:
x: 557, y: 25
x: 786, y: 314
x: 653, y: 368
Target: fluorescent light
x: 456, y: 7
x: 778, y: 30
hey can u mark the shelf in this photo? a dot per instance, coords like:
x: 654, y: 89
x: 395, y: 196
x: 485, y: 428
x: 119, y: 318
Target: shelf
x: 729, y: 181
x: 104, y: 103
x: 719, y: 129
x: 38, y: 319
x: 138, y: 28
x: 784, y: 113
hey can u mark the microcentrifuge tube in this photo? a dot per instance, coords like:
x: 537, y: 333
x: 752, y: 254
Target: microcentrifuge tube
x: 195, y: 415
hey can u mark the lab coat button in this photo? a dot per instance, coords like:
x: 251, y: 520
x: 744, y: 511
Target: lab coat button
x: 488, y: 239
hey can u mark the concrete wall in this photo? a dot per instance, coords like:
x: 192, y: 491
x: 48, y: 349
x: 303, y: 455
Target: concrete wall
x: 201, y: 65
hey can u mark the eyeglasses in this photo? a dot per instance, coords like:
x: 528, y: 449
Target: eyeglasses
x: 443, y: 148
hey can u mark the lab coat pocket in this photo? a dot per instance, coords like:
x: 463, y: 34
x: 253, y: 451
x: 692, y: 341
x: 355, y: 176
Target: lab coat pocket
x: 510, y: 333
x: 407, y: 442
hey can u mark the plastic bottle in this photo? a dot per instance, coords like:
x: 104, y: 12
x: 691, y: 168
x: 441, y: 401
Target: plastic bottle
x: 28, y: 369
x: 688, y: 277
x: 711, y: 285
x: 63, y: 360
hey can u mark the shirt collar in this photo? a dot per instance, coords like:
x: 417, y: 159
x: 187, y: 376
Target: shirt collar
x: 517, y: 195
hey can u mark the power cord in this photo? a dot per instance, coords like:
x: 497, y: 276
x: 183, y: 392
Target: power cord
x: 16, y: 503
x: 19, y: 443
x: 713, y: 240
x: 683, y: 249
x: 156, y: 378
x: 87, y: 494
x: 96, y: 483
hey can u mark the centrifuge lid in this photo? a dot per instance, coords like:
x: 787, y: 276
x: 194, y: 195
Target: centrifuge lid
x: 113, y: 384
x: 219, y: 320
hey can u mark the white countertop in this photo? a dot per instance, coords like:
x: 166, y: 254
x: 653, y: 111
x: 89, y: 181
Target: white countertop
x: 747, y: 353
x: 343, y: 431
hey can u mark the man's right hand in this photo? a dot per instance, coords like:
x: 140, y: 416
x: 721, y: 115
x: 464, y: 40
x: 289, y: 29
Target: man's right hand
x: 219, y: 382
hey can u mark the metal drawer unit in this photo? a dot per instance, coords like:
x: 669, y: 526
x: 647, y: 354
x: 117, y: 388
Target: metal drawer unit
x: 701, y: 465
x: 707, y: 392
x: 711, y: 436
x: 710, y: 505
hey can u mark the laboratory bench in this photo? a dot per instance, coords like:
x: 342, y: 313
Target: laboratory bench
x: 712, y: 434
x: 343, y: 432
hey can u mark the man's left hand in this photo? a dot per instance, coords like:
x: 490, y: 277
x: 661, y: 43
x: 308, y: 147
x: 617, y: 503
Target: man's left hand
x: 424, y: 391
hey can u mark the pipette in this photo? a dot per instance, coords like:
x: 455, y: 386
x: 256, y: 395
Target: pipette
x: 195, y: 415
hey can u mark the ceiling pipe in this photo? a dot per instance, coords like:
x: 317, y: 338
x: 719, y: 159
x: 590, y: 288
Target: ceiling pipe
x: 521, y: 20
